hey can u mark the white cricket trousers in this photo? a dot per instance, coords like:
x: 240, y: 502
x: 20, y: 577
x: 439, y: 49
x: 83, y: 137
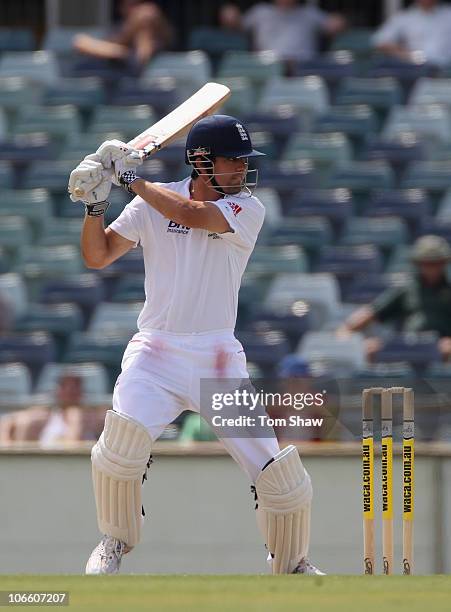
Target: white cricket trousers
x: 160, y: 378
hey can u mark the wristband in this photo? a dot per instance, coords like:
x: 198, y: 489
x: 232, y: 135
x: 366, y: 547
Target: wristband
x: 96, y: 210
x: 127, y: 178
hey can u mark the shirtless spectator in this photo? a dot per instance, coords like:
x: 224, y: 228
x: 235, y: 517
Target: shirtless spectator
x: 144, y: 31
x: 420, y: 32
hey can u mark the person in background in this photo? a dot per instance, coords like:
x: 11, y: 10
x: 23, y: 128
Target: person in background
x: 230, y: 18
x: 144, y: 31
x: 66, y: 421
x: 420, y: 32
x: 422, y: 304
x: 291, y: 29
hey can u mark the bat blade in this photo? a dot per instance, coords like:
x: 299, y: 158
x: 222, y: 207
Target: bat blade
x: 204, y: 102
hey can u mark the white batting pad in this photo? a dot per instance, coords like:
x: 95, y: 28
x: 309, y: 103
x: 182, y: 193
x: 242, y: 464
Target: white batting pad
x: 119, y: 460
x: 284, y: 495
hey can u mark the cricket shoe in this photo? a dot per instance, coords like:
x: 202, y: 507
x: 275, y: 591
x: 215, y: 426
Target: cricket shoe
x: 106, y: 556
x: 305, y: 567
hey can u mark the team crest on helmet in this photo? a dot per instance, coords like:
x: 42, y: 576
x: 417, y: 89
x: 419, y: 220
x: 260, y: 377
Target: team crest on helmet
x: 241, y: 131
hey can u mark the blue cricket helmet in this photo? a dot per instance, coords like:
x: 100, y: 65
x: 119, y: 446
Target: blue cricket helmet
x: 220, y: 135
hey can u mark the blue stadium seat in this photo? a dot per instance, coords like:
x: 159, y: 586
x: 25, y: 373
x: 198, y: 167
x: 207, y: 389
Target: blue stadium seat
x: 305, y: 94
x: 33, y: 349
x: 6, y: 175
x: 332, y: 67
x: 373, y: 373
x: 191, y: 69
x: 327, y: 151
x: 84, y: 92
x: 270, y: 260
x: 243, y: 100
x: 130, y: 288
x: 413, y: 205
x: 18, y: 91
x: 334, y: 204
x: 58, y: 231
x: 286, y: 176
x: 59, y: 39
x: 132, y: 120
x: 431, y: 91
x: 309, y: 232
x: 13, y: 287
x: 94, y: 379
x: 86, y: 290
x: 364, y: 288
x: 15, y: 386
x: 23, y: 148
x: 437, y: 227
x: 109, y: 317
x: 155, y: 170
x: 430, y: 175
x: 362, y: 177
x: 380, y: 93
x: 325, y: 347
x: 46, y: 174
x: 16, y: 39
x: 130, y: 263
x: 384, y: 232
x: 399, y: 152
x: 273, y: 205
x: 444, y: 207
x: 357, y: 121
x: 428, y: 121
x: 292, y: 323
x: 216, y: 41
x: 347, y: 261
x: 15, y: 234
x: 417, y: 349
x: 40, y: 262
x: 265, y: 348
x: 355, y: 40
x: 59, y: 122
x: 259, y: 67
x: 160, y: 93
x: 37, y: 66
x: 405, y: 71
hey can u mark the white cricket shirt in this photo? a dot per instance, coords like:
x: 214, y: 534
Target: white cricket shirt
x: 192, y: 275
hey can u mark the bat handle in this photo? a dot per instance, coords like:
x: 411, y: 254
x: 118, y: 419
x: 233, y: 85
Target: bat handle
x: 78, y: 192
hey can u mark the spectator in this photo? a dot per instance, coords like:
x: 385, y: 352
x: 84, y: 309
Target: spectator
x: 290, y: 30
x: 67, y: 421
x: 229, y: 18
x: 421, y: 32
x: 144, y: 31
x: 423, y: 304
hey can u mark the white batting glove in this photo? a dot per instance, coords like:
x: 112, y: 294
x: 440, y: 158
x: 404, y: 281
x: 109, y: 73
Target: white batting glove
x: 90, y: 183
x: 120, y: 157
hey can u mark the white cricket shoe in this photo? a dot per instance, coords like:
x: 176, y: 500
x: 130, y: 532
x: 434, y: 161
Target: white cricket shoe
x: 106, y: 556
x: 308, y: 569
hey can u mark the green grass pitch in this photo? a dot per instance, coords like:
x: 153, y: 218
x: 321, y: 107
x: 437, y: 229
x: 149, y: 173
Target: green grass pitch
x: 161, y: 593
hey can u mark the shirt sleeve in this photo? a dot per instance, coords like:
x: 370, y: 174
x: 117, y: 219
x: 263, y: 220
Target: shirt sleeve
x: 390, y: 304
x: 245, y: 217
x: 390, y: 32
x: 128, y: 224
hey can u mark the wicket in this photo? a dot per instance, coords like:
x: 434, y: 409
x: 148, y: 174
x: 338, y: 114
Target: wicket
x: 386, y: 396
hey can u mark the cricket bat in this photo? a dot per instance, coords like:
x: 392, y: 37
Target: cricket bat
x: 204, y: 102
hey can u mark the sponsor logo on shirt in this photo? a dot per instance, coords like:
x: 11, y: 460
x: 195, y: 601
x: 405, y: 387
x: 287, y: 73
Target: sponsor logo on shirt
x: 215, y: 236
x: 236, y: 208
x: 176, y: 228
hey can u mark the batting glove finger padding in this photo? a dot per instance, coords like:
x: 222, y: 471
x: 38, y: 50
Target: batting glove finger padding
x: 284, y: 494
x: 119, y: 461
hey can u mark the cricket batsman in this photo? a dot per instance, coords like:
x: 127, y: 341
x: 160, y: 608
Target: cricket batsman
x: 197, y: 236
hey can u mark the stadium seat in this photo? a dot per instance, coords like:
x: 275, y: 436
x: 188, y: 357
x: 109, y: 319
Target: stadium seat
x: 439, y: 370
x: 94, y: 379
x: 347, y: 261
x: 399, y: 260
x: 332, y: 67
x: 5, y: 261
x: 34, y: 204
x: 243, y: 99
x: 431, y: 91
x: 325, y: 150
x: 292, y: 322
x: 384, y: 232
x: 86, y: 290
x: 282, y: 124
x: 60, y: 122
x: 60, y: 320
x: 374, y: 373
x: 309, y: 232
x: 355, y: 40
x: 119, y: 318
x: 216, y: 41
x: 381, y: 94
x: 130, y: 288
x: 428, y: 121
x: 436, y: 227
x: 253, y: 289
x: 334, y: 204
x: 265, y: 348
x: 16, y: 39
x: 51, y: 175
x: 364, y: 288
x: 357, y: 121
x: 156, y: 170
x: 406, y: 72
x: 259, y: 67
x: 444, y: 207
x: 264, y: 142
x: 83, y: 145
x: 18, y: 91
x: 3, y: 125
x: 37, y: 66
x: 84, y: 92
x: 327, y: 348
x: 15, y: 234
x: 399, y: 151
x: 130, y: 263
x: 362, y: 177
x: 160, y: 93
x: 39, y: 262
x: 6, y: 175
x: 23, y: 148
x: 15, y: 386
x: 267, y: 260
x: 318, y: 294
x: 273, y: 206
x: 305, y: 94
x: 430, y: 175
x: 286, y: 176
x: 58, y: 231
x: 417, y: 349
x: 132, y: 120
x: 33, y: 349
x: 13, y: 288
x: 191, y: 69
x: 59, y: 39
x: 413, y: 205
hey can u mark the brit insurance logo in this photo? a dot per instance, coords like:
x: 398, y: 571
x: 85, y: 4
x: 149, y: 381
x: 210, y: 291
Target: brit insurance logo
x: 176, y: 228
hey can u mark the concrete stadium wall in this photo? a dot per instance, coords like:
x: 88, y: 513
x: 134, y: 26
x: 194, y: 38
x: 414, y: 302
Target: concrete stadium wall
x: 200, y: 516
